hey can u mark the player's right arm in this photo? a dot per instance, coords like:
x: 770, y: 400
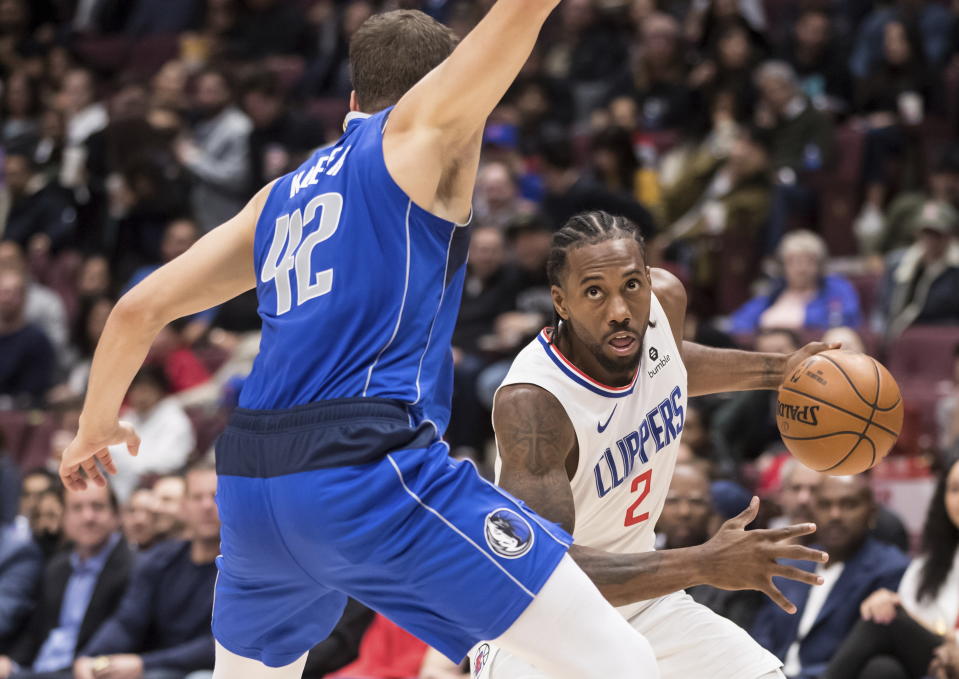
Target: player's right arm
x: 535, y: 439
x: 431, y: 144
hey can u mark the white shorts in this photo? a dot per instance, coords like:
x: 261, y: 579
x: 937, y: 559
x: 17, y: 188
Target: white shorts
x: 689, y: 640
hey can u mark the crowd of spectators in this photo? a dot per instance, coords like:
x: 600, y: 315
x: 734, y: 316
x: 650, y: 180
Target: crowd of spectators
x: 794, y: 162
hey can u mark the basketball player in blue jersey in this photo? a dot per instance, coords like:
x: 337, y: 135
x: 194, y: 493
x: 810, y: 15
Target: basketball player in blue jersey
x: 333, y: 479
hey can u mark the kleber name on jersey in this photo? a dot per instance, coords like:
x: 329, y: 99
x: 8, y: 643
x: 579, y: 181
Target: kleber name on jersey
x: 661, y: 426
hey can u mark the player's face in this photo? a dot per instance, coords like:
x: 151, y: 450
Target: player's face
x: 604, y: 302
x: 952, y: 494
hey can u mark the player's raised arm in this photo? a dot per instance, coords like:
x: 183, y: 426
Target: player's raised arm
x: 535, y: 439
x: 458, y: 95
x: 217, y: 268
x: 432, y: 140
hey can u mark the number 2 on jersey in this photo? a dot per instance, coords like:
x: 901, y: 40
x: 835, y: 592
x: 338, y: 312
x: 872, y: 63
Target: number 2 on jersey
x: 645, y: 480
x: 298, y: 256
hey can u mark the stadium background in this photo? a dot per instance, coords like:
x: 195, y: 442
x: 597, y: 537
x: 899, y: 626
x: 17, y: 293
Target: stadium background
x: 795, y: 163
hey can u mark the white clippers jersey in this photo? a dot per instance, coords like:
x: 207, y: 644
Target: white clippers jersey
x: 628, y: 437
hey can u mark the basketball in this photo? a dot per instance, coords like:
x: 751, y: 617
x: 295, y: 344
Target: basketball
x: 839, y: 412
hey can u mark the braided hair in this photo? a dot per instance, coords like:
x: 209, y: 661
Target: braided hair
x: 586, y: 228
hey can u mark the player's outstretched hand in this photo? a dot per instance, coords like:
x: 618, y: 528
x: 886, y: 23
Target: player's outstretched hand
x: 800, y: 355
x: 80, y: 459
x: 880, y: 606
x: 741, y: 559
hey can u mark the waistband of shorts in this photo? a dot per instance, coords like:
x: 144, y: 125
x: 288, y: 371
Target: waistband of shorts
x: 333, y: 412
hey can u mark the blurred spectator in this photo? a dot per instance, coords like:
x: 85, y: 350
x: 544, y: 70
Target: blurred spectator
x: 947, y: 410
x: 797, y: 488
x: 688, y: 519
x: 744, y: 426
x: 166, y: 433
x: 814, y: 52
x: 716, y: 210
x: 44, y: 308
x: 178, y: 237
x: 806, y: 297
x: 85, y: 115
x: 20, y: 111
x: 280, y: 138
x: 847, y: 337
x: 934, y: 22
x: 945, y: 664
x: 35, y: 483
x: 168, y: 493
x: 489, y: 291
x: 921, y: 283
x: 47, y: 523
x: 27, y: 359
x: 386, y: 651
x: 81, y: 587
x: 843, y: 509
x: 88, y: 327
x: 569, y: 192
x: 268, y: 28
x: 217, y: 153
x: 20, y: 567
x: 727, y: 71
x: 802, y: 143
x: 161, y: 627
x: 656, y: 83
x: 802, y: 137
x: 343, y: 645
x: 94, y: 279
x: 943, y: 187
x: 497, y: 198
x: 894, y: 96
x: 138, y: 518
x: 172, y: 16
x: 900, y: 631
x: 41, y: 216
x: 613, y: 162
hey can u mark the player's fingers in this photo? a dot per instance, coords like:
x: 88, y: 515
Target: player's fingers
x: 797, y: 574
x: 801, y: 553
x: 72, y: 478
x: 93, y: 472
x: 779, y: 598
x: 107, y: 461
x: 133, y: 442
x: 747, y: 516
x: 788, y: 532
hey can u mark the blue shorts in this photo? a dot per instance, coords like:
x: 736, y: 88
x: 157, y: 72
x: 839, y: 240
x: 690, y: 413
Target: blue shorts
x: 347, y: 499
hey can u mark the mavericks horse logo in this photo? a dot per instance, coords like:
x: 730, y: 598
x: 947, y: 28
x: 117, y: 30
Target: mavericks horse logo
x: 508, y: 534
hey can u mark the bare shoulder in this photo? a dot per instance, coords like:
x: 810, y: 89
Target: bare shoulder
x: 669, y: 290
x: 671, y: 294
x: 532, y: 427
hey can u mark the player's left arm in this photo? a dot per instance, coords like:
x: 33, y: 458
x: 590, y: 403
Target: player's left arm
x: 217, y: 268
x: 711, y: 370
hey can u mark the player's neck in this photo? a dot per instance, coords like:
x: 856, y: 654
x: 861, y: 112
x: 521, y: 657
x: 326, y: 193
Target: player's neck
x: 580, y: 356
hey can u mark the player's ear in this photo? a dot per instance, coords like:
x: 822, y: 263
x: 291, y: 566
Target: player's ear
x: 649, y: 276
x: 559, y: 302
x: 354, y: 102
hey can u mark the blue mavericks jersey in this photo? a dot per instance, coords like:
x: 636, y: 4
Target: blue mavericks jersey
x: 358, y: 287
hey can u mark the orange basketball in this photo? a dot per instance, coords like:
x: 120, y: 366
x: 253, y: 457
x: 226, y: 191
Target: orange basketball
x: 839, y: 412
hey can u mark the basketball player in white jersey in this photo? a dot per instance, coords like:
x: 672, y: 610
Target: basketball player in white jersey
x: 587, y: 424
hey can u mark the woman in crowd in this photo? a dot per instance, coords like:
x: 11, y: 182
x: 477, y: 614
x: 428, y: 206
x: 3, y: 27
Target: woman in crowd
x: 806, y: 297
x: 900, y: 632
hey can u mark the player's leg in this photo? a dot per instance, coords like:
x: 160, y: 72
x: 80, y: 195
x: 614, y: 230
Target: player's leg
x: 230, y: 666
x: 570, y: 630
x: 693, y: 642
x: 776, y: 674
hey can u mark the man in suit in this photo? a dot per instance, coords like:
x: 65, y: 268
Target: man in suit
x: 20, y: 566
x: 81, y: 587
x: 844, y: 510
